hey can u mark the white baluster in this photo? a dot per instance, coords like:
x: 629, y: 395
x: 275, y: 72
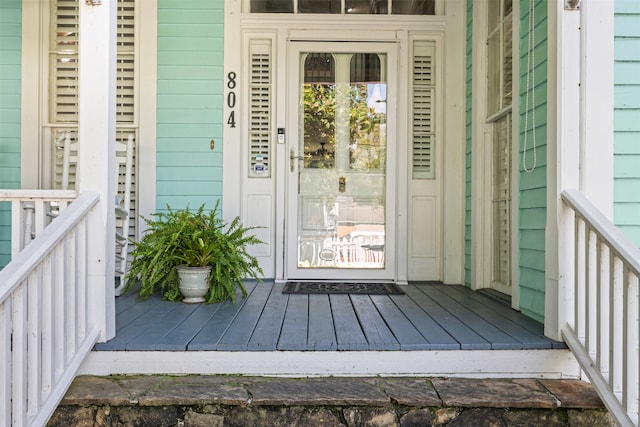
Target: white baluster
x: 29, y: 211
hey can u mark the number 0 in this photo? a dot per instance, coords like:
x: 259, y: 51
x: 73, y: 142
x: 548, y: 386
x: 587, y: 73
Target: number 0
x: 231, y: 99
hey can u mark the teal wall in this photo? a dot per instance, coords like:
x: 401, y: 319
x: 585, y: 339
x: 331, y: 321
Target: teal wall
x: 468, y: 122
x: 10, y: 73
x: 627, y: 118
x: 532, y: 199
x: 190, y: 102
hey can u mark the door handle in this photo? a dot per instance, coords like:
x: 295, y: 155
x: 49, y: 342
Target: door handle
x: 292, y: 159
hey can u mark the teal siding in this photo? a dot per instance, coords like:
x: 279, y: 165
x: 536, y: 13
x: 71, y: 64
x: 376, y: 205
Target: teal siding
x: 532, y: 205
x: 10, y: 82
x: 190, y: 103
x: 468, y: 137
x: 626, y: 121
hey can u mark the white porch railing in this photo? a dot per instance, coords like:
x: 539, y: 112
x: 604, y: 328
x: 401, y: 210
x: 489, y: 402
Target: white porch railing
x: 32, y: 211
x: 603, y: 332
x: 47, y: 326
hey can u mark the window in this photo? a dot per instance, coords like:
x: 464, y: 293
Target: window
x: 499, y: 99
x: 354, y: 7
x: 499, y: 48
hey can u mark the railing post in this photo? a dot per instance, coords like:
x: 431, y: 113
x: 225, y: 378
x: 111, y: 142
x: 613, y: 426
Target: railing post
x: 17, y: 227
x: 29, y: 214
x: 96, y: 151
x: 566, y: 268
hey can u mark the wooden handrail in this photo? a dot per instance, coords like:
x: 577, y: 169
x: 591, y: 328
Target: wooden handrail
x: 603, y: 332
x: 48, y: 316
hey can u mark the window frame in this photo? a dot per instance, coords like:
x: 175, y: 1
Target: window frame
x: 439, y: 9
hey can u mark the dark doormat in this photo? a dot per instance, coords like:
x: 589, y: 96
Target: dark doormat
x: 342, y: 288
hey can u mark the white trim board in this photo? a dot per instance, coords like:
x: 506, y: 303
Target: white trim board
x: 452, y: 363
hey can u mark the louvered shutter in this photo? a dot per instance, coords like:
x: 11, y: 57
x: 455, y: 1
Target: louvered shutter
x: 64, y: 62
x: 260, y: 99
x: 423, y: 129
x: 126, y: 98
x: 125, y: 77
x: 63, y: 90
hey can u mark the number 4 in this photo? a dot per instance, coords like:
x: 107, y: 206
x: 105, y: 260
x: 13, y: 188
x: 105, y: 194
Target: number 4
x: 231, y: 121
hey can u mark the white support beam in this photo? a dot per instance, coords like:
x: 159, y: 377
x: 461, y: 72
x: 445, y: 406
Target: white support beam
x: 96, y: 136
x: 563, y: 162
x: 454, y: 148
x: 231, y: 136
x: 581, y: 124
x: 596, y: 104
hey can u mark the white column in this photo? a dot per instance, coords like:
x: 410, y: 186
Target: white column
x: 596, y: 130
x: 454, y: 148
x: 232, y: 136
x: 146, y: 142
x: 96, y: 136
x: 581, y: 123
x: 563, y: 163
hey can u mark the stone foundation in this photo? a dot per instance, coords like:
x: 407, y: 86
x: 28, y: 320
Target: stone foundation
x: 195, y: 401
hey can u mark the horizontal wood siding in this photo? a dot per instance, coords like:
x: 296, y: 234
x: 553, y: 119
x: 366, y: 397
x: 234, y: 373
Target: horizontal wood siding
x: 190, y: 102
x: 533, y: 185
x: 627, y: 118
x: 10, y: 82
x: 468, y: 137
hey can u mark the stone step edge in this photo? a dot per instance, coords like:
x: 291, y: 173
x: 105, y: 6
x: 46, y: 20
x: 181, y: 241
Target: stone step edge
x: 190, y: 390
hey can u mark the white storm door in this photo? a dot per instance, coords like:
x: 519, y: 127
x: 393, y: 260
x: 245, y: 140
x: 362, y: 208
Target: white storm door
x: 341, y: 155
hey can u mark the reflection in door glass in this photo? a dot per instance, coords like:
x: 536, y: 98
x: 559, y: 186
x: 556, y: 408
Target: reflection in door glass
x: 319, y: 111
x: 367, y: 127
x: 342, y: 178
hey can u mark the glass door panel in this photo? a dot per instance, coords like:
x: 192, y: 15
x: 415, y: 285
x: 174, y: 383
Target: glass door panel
x: 341, y: 161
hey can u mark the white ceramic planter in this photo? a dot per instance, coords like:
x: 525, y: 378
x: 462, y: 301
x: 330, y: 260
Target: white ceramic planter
x: 194, y: 283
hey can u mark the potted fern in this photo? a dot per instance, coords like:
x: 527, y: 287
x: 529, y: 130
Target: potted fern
x: 199, y: 243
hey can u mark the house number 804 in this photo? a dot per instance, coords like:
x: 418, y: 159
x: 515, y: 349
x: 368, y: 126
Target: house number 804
x: 231, y: 98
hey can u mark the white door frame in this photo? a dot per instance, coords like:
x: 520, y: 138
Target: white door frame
x: 292, y: 269
x: 482, y: 164
x: 282, y: 28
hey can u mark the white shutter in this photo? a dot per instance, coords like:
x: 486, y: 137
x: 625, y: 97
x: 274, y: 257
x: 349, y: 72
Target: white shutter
x: 63, y: 90
x: 423, y: 90
x: 260, y: 100
x: 64, y: 62
x: 125, y: 77
x: 126, y: 99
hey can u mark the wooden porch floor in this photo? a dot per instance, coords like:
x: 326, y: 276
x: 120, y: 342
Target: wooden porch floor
x: 428, y: 317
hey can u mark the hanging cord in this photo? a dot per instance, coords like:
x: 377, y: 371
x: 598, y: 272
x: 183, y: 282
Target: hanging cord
x: 531, y: 87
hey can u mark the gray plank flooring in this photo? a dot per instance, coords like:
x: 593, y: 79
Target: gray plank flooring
x: 429, y: 316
